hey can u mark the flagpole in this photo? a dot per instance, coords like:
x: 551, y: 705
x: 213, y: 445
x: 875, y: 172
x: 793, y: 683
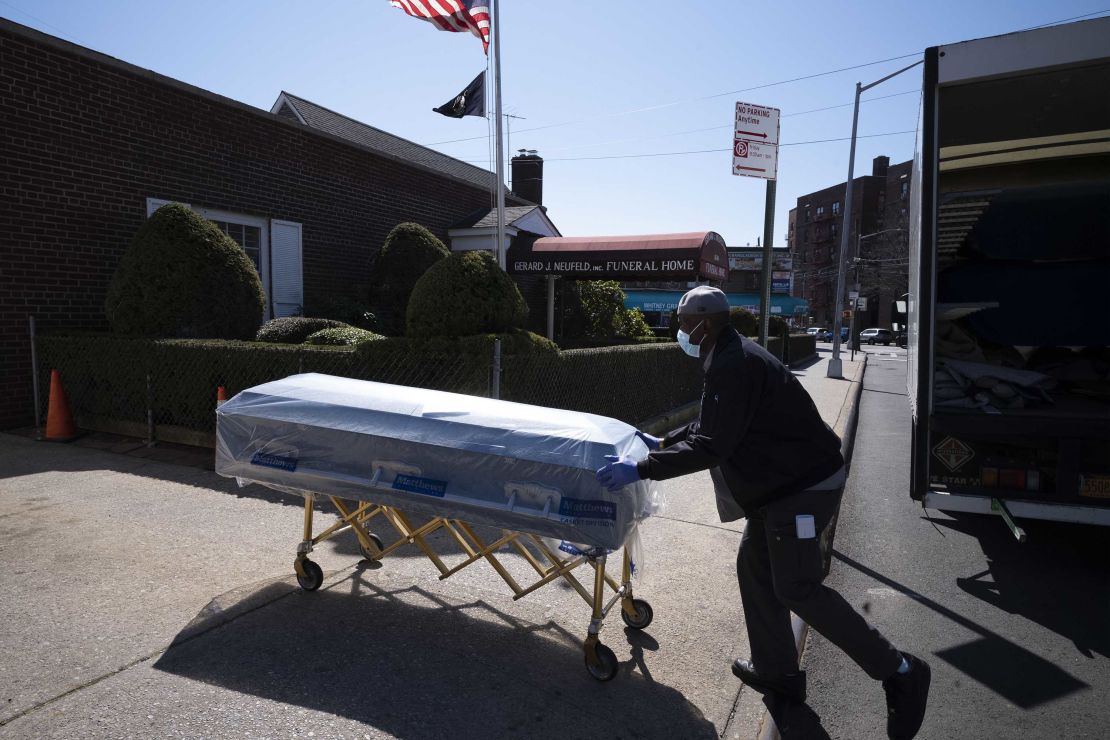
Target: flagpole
x: 495, y: 37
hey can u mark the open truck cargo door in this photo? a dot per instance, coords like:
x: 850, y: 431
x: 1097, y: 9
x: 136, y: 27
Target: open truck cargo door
x: 1009, y: 309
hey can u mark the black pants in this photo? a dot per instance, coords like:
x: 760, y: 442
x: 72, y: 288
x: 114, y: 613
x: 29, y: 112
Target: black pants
x: 780, y: 573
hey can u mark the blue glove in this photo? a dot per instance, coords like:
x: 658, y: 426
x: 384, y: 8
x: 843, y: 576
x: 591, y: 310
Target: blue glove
x: 653, y: 443
x: 618, y: 473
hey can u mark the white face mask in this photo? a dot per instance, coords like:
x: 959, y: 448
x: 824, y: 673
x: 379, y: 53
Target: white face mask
x: 694, y: 350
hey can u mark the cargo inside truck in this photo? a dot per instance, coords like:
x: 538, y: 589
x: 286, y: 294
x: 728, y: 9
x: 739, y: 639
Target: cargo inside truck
x: 1011, y: 327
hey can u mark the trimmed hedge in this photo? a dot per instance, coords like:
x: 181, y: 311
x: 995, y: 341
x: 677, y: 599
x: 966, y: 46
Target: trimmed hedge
x: 463, y: 295
x: 294, y: 329
x: 346, y: 310
x: 744, y: 321
x: 409, y: 250
x: 183, y: 277
x: 342, y: 335
x: 106, y: 375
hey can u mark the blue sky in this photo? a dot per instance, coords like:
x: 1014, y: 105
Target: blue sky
x: 584, y: 64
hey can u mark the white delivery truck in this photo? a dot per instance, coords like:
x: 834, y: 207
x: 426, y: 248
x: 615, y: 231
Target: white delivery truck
x: 1009, y: 304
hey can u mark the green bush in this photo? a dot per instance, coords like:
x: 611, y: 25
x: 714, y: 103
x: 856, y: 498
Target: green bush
x: 347, y: 310
x: 463, y: 295
x: 107, y: 375
x: 744, y: 321
x: 294, y: 329
x: 183, y: 277
x: 605, y: 314
x: 342, y: 335
x: 477, y: 345
x: 604, y: 381
x: 777, y: 326
x: 408, y: 252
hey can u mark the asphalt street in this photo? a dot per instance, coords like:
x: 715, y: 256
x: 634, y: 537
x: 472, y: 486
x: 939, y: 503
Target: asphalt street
x: 1016, y: 634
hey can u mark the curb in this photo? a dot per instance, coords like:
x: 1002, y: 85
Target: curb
x: 671, y: 420
x: 767, y: 728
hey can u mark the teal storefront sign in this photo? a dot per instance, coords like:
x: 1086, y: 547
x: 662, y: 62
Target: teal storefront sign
x: 665, y: 301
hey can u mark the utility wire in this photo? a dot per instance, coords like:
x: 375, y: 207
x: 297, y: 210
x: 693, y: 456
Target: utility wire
x: 693, y: 100
x: 707, y: 151
x: 755, y: 87
x: 728, y: 126
x: 40, y: 20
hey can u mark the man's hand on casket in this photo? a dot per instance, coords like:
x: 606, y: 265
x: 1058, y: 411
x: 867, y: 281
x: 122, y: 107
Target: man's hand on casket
x: 653, y: 443
x: 618, y: 473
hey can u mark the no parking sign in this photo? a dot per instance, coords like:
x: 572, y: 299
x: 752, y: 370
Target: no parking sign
x: 755, y: 147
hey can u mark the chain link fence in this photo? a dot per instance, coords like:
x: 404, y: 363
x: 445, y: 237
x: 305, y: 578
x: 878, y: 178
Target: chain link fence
x: 166, y: 389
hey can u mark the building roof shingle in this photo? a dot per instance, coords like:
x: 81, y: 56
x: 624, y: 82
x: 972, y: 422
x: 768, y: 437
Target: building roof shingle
x: 375, y: 139
x: 488, y: 217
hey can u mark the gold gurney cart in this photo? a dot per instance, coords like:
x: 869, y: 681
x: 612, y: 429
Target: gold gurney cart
x: 423, y: 463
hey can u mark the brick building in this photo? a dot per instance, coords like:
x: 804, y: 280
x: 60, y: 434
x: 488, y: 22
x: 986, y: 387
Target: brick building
x: 877, y: 262
x: 91, y: 145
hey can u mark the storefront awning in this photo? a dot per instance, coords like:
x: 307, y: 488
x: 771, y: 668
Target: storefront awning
x: 665, y: 301
x: 698, y: 255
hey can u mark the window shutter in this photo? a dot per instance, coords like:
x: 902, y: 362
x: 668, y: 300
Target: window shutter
x: 286, y: 275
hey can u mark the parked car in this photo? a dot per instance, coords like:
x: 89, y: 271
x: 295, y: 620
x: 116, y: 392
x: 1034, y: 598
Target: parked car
x: 877, y: 336
x: 822, y: 335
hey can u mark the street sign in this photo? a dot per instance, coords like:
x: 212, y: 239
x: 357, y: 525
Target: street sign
x: 755, y: 151
x: 757, y: 123
x: 755, y: 160
x: 861, y: 304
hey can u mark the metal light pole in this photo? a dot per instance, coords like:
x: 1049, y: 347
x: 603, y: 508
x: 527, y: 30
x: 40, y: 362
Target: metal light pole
x: 836, y: 369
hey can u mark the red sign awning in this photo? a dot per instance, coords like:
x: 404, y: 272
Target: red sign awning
x: 698, y: 255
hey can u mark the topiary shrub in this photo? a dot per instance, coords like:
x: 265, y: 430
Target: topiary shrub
x: 465, y: 294
x: 348, y: 310
x: 183, y: 277
x: 294, y: 329
x: 408, y: 252
x: 342, y: 335
x: 777, y: 326
x: 744, y: 321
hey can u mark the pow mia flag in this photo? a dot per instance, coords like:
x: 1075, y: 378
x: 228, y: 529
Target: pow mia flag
x: 470, y: 102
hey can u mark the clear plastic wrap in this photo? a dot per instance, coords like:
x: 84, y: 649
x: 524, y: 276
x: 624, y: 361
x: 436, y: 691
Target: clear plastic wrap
x: 508, y: 465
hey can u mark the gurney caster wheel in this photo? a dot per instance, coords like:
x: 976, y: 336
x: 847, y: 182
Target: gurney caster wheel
x: 643, y: 617
x: 377, y: 541
x: 606, y: 666
x: 312, y: 577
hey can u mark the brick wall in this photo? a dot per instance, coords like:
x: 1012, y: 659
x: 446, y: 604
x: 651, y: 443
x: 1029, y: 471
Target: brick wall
x: 86, y: 139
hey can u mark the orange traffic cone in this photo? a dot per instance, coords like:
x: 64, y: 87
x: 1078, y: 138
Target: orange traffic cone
x: 221, y: 395
x: 59, y: 420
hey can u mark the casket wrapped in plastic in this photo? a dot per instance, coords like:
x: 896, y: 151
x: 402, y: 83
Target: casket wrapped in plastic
x: 508, y: 465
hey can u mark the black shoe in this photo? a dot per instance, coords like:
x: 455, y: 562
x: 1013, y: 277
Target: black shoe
x: 789, y: 685
x: 906, y: 696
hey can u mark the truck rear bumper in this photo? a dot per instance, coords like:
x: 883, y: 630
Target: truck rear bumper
x: 1019, y: 508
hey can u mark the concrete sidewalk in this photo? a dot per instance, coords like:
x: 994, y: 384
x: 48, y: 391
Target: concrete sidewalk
x: 144, y: 598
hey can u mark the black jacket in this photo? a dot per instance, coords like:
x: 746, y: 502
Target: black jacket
x: 757, y: 424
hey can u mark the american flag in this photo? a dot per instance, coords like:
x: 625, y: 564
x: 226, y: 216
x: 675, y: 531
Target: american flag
x: 458, y: 16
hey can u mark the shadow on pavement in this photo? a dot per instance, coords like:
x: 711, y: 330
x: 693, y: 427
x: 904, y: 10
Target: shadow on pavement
x: 38, y: 457
x: 408, y: 662
x: 794, y: 720
x: 1001, y: 665
x: 1025, y: 579
x: 805, y: 364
